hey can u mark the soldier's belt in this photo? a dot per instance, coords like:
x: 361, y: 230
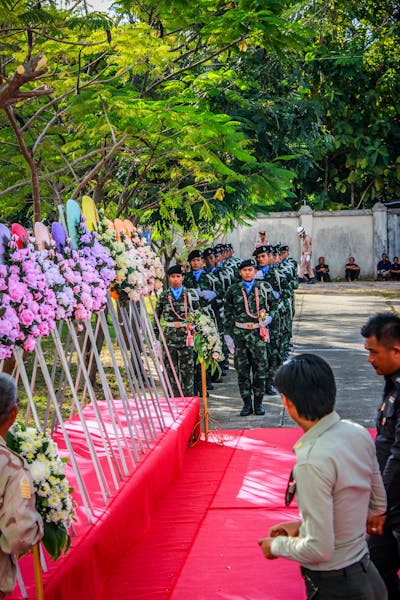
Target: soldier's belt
x: 248, y: 325
x: 176, y: 324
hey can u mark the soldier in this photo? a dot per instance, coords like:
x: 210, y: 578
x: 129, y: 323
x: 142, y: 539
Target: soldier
x: 174, y: 306
x: 21, y: 526
x: 246, y: 321
x: 266, y: 273
x: 217, y: 306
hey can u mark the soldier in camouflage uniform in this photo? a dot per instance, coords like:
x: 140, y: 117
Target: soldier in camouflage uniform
x: 173, y: 307
x: 246, y: 321
x: 289, y: 268
x: 21, y: 526
x: 271, y: 284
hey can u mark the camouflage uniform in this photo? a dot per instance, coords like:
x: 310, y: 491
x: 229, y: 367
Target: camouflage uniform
x: 175, y: 334
x: 250, y: 358
x: 21, y: 526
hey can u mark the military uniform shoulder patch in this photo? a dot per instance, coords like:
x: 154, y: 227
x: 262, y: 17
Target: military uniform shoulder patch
x: 25, y: 487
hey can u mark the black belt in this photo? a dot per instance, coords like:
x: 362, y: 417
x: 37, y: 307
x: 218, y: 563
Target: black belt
x: 361, y: 565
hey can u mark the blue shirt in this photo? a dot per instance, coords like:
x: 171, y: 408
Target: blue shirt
x: 248, y: 285
x: 176, y: 292
x: 197, y: 274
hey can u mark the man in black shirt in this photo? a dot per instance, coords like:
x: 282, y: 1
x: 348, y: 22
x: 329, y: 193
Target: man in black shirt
x: 383, y: 268
x: 382, y: 341
x: 322, y: 270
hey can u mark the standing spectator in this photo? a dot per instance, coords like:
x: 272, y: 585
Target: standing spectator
x: 322, y: 270
x: 245, y: 326
x: 383, y: 268
x: 261, y: 239
x: 352, y: 270
x: 305, y: 264
x: 395, y: 270
x: 338, y: 488
x: 21, y: 526
x: 382, y: 342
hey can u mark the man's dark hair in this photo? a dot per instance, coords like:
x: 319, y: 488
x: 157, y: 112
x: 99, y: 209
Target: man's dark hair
x: 8, y: 396
x: 385, y: 326
x: 307, y: 380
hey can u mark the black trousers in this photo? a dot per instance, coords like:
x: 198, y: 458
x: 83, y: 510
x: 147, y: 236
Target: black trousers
x: 385, y: 553
x: 359, y: 581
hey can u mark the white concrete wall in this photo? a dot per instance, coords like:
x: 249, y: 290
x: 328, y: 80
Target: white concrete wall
x: 336, y: 235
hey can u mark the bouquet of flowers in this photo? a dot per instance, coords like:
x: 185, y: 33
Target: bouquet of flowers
x: 207, y: 341
x: 65, y: 298
x: 130, y: 280
x: 138, y: 270
x: 95, y: 253
x: 9, y: 322
x: 53, y: 494
x: 28, y: 294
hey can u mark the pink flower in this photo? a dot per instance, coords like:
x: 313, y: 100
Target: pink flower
x: 26, y: 317
x: 29, y: 343
x: 16, y: 291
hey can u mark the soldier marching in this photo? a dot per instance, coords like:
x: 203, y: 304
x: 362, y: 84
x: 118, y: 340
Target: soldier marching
x: 252, y: 304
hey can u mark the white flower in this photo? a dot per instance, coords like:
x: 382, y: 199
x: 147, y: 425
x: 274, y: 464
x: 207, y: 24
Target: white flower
x: 39, y: 470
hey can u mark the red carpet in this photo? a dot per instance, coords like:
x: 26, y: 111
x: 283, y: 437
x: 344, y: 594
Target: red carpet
x: 202, y: 543
x: 97, y: 548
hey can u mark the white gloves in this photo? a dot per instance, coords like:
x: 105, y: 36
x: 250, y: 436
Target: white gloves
x: 230, y: 343
x: 275, y: 294
x: 259, y: 275
x: 268, y: 320
x: 208, y: 295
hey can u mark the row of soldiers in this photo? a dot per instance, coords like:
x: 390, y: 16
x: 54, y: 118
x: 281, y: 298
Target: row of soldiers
x: 252, y: 302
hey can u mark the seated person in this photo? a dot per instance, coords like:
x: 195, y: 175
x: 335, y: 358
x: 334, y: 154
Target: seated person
x: 322, y: 270
x: 352, y: 270
x: 395, y: 270
x: 383, y: 268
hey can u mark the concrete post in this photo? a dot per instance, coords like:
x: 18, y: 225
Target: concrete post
x: 379, y: 214
x: 306, y: 218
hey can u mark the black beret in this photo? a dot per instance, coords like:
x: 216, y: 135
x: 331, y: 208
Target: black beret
x: 261, y: 250
x: 194, y: 254
x: 208, y: 252
x: 249, y: 262
x: 285, y: 248
x: 175, y: 269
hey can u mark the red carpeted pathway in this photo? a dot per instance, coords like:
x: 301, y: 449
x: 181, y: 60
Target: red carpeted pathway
x: 202, y: 543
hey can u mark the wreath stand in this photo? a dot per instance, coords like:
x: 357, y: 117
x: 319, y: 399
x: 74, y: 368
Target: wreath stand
x: 37, y: 569
x: 205, y: 403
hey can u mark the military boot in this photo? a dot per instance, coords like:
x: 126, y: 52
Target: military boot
x: 269, y: 388
x: 247, y: 408
x: 258, y: 407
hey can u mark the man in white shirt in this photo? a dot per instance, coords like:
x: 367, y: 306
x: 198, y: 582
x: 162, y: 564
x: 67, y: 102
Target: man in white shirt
x: 338, y: 488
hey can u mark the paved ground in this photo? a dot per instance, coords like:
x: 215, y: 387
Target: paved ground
x: 328, y: 321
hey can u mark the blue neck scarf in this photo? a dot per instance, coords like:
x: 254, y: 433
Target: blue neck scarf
x: 264, y: 269
x: 248, y: 285
x: 176, y: 292
x: 196, y: 274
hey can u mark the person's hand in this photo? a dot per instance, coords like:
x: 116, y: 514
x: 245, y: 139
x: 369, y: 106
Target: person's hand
x: 375, y: 524
x: 265, y: 544
x: 259, y: 275
x: 230, y: 343
x: 288, y: 528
